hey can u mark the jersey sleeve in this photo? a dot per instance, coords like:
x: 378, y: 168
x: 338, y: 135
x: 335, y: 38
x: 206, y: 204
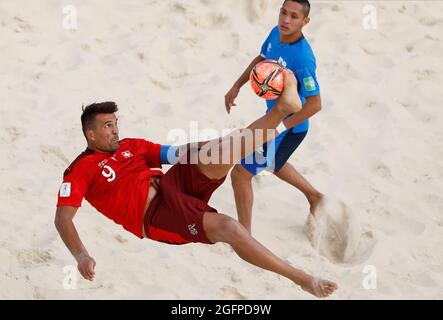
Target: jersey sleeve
x: 151, y: 153
x: 74, y: 187
x: 264, y: 47
x: 307, y: 79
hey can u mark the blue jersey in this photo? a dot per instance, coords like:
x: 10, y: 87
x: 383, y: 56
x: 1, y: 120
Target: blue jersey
x: 299, y: 58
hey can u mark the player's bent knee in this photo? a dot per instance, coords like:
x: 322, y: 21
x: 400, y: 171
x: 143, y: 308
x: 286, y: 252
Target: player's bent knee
x: 231, y: 231
x: 213, y: 224
x: 222, y: 228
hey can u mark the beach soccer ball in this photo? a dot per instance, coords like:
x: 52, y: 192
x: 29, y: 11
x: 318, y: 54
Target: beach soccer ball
x: 267, y: 79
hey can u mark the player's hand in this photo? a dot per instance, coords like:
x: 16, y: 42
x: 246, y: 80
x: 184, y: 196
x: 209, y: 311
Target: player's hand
x: 86, y: 265
x: 230, y: 97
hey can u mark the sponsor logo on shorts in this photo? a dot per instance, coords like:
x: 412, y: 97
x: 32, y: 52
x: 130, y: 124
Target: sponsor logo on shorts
x: 309, y: 83
x: 260, y: 150
x: 65, y: 190
x: 192, y: 229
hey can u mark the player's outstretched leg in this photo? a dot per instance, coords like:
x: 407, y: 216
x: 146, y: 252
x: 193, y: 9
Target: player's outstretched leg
x: 224, y: 153
x: 222, y: 228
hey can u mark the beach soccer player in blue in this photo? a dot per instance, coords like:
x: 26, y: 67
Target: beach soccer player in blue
x: 287, y: 45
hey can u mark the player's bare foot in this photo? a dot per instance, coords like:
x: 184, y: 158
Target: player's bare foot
x: 289, y: 101
x: 318, y: 287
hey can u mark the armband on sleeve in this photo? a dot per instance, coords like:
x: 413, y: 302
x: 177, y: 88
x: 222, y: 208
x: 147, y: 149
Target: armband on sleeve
x: 168, y: 154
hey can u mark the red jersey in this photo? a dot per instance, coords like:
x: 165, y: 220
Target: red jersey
x: 116, y: 184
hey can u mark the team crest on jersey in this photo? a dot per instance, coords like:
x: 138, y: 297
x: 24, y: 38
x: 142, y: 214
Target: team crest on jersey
x: 282, y: 62
x: 127, y: 154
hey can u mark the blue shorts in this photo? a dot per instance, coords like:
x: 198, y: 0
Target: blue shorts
x: 274, y: 154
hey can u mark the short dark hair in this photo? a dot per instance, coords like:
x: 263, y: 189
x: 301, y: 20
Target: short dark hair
x: 90, y: 111
x: 306, y: 6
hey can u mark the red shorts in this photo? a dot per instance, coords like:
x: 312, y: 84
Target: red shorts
x: 175, y: 215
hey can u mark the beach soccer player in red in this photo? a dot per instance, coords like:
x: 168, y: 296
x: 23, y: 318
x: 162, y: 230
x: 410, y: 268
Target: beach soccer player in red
x: 119, y: 179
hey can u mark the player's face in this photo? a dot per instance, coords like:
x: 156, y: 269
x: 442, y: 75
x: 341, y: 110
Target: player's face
x: 291, y: 19
x: 105, y: 134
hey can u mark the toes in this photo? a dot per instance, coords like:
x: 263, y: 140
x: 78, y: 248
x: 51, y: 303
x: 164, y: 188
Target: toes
x: 322, y: 288
x: 331, y: 284
x: 328, y: 288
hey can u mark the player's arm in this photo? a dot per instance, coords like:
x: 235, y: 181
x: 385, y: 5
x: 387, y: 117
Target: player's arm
x: 310, y: 108
x: 65, y: 227
x: 233, y: 92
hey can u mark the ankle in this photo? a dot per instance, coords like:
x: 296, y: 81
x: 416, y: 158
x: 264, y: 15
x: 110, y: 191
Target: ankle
x: 314, y: 197
x: 302, y: 278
